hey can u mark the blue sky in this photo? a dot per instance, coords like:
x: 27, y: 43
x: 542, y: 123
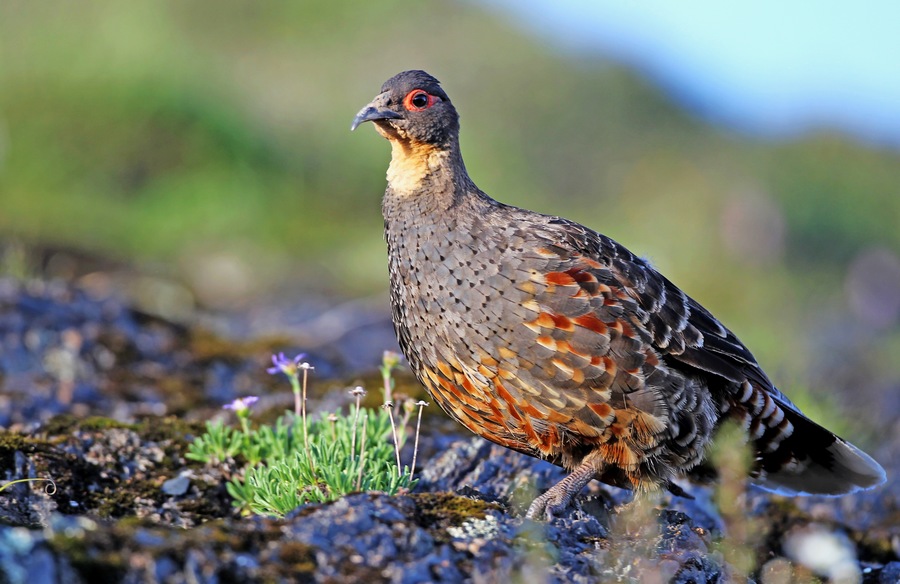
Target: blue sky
x: 765, y: 67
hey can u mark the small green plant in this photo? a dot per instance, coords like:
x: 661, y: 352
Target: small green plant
x: 219, y: 444
x: 304, y: 459
x: 733, y: 460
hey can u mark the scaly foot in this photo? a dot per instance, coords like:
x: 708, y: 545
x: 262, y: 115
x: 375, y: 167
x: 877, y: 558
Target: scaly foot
x: 558, y: 497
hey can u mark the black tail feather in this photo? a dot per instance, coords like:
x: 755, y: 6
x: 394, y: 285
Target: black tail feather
x: 814, y: 461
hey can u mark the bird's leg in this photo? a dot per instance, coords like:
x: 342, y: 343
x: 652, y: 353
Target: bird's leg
x: 558, y: 497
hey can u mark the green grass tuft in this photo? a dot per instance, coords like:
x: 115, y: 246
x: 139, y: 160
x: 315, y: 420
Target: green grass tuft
x: 301, y: 460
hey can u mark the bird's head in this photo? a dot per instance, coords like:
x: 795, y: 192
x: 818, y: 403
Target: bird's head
x: 412, y: 109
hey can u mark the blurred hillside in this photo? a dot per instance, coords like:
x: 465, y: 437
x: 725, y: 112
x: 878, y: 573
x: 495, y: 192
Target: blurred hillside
x: 185, y: 136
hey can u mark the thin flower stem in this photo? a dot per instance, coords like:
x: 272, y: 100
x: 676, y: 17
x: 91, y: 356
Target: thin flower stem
x: 295, y: 387
x: 305, y: 429
x: 390, y: 409
x: 412, y: 470
x: 362, y: 452
x: 333, y: 419
x: 358, y: 392
x: 389, y: 361
x: 388, y: 384
x: 404, y: 421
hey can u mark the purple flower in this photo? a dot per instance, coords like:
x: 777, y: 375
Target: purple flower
x: 285, y: 365
x: 241, y: 405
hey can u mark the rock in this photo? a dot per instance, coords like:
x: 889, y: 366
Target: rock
x: 890, y: 574
x: 128, y: 506
x: 177, y: 486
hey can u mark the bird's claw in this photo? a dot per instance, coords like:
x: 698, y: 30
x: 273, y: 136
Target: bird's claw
x: 549, y: 505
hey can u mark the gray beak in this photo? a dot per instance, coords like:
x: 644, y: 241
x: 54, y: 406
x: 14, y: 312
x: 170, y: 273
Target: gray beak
x: 373, y: 112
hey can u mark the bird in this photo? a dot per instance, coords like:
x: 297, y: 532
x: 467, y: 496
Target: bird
x: 551, y: 339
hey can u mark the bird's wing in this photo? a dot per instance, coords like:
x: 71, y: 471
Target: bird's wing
x: 682, y: 331
x: 575, y: 360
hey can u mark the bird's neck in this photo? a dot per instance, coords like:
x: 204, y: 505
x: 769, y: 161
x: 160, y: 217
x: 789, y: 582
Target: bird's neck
x: 420, y: 170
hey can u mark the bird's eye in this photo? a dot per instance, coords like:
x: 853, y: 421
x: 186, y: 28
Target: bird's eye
x: 418, y: 100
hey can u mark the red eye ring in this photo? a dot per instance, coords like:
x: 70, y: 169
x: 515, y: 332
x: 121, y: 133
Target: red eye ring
x: 418, y: 100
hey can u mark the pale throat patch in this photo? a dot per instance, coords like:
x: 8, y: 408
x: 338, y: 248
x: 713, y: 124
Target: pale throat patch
x: 411, y: 162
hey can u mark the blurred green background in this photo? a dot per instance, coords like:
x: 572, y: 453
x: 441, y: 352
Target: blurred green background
x: 210, y: 141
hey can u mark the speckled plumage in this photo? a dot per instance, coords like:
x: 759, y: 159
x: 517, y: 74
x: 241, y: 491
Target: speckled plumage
x: 549, y: 338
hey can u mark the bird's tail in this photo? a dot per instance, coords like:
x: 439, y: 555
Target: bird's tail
x: 813, y: 461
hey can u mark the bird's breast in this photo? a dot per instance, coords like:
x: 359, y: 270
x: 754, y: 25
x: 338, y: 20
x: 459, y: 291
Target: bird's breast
x: 448, y: 286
